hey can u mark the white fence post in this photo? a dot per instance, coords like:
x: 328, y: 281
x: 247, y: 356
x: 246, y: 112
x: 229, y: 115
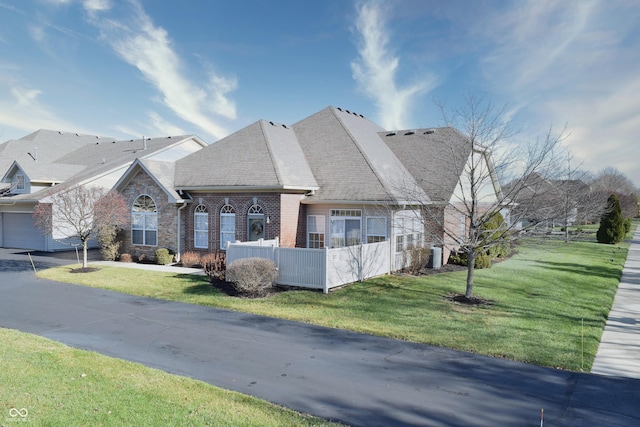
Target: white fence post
x: 325, y: 275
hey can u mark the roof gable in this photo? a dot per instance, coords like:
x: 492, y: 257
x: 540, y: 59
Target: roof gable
x: 161, y: 172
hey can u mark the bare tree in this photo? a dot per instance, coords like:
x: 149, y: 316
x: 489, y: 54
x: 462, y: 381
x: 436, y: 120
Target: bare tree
x: 485, y: 158
x: 79, y: 213
x: 570, y: 198
x: 611, y: 181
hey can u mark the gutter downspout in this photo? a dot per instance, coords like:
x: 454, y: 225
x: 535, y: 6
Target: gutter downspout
x: 178, y: 250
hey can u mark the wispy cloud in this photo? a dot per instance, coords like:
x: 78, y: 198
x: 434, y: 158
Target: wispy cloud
x: 149, y: 48
x: 571, y: 62
x: 375, y: 69
x: 22, y: 109
x: 93, y: 6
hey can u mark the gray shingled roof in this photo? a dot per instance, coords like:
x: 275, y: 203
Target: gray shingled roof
x: 262, y: 155
x: 47, y: 145
x: 95, y: 157
x: 48, y: 173
x: 434, y: 157
x: 349, y: 159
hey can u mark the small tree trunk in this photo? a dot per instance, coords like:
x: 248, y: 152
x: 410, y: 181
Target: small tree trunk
x: 85, y: 243
x: 471, y: 260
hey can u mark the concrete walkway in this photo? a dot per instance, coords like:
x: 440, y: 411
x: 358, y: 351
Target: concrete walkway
x: 619, y: 350
x: 151, y: 267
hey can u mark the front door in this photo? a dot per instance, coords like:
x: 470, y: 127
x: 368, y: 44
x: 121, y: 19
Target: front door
x: 256, y: 227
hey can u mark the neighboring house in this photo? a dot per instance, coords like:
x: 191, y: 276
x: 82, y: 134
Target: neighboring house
x: 45, y: 162
x: 540, y: 201
x: 333, y: 179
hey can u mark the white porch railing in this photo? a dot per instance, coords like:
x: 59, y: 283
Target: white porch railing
x: 319, y: 268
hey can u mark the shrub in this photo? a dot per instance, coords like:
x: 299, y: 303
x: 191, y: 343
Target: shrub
x: 126, y: 258
x: 498, y: 238
x: 110, y: 239
x: 418, y: 259
x: 611, y: 230
x: 252, y: 276
x: 189, y: 259
x: 215, y: 265
x: 483, y: 260
x: 627, y: 225
x: 163, y: 256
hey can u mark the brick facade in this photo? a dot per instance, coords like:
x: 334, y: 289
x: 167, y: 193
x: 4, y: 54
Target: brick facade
x: 285, y: 219
x: 281, y: 213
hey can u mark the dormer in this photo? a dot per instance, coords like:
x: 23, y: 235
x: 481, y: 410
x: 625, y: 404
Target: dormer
x: 18, y: 179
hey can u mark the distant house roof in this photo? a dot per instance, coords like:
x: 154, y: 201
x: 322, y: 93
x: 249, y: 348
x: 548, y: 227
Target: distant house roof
x: 94, y: 157
x: 263, y: 155
x: 46, y: 146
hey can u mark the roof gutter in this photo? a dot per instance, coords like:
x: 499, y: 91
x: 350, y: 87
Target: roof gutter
x: 240, y: 188
x: 308, y: 201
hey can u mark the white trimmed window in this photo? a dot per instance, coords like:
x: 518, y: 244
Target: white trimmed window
x: 20, y: 182
x: 376, y: 229
x: 201, y: 227
x: 144, y: 221
x: 346, y: 227
x: 255, y: 223
x: 408, y: 229
x: 227, y: 226
x: 315, y: 231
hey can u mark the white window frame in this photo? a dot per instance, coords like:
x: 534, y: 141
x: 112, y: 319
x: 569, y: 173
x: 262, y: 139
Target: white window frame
x: 201, y: 227
x: 256, y: 218
x: 408, y: 231
x: 373, y: 235
x: 144, y: 220
x: 316, y: 231
x: 21, y: 182
x: 228, y: 220
x: 341, y: 224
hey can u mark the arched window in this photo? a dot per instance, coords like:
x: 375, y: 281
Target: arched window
x: 201, y: 227
x: 255, y: 222
x: 144, y: 221
x: 227, y: 225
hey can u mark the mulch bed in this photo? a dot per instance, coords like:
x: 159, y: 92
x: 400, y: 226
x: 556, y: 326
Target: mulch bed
x: 228, y: 289
x: 84, y: 270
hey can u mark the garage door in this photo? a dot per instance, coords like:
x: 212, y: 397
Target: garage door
x: 19, y: 231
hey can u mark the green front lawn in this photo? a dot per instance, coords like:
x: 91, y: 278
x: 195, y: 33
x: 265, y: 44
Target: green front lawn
x: 550, y: 303
x: 51, y: 384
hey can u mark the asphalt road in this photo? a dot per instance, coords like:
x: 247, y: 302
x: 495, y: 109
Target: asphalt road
x: 357, y: 379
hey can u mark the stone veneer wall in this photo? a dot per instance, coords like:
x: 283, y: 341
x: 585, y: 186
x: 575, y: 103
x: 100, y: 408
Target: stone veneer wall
x: 167, y: 217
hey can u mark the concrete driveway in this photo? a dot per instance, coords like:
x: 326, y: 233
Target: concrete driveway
x: 357, y: 379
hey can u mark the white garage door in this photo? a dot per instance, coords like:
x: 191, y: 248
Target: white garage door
x: 19, y: 231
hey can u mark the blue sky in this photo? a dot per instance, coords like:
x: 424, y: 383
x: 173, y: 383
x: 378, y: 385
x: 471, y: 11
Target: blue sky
x: 128, y: 68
